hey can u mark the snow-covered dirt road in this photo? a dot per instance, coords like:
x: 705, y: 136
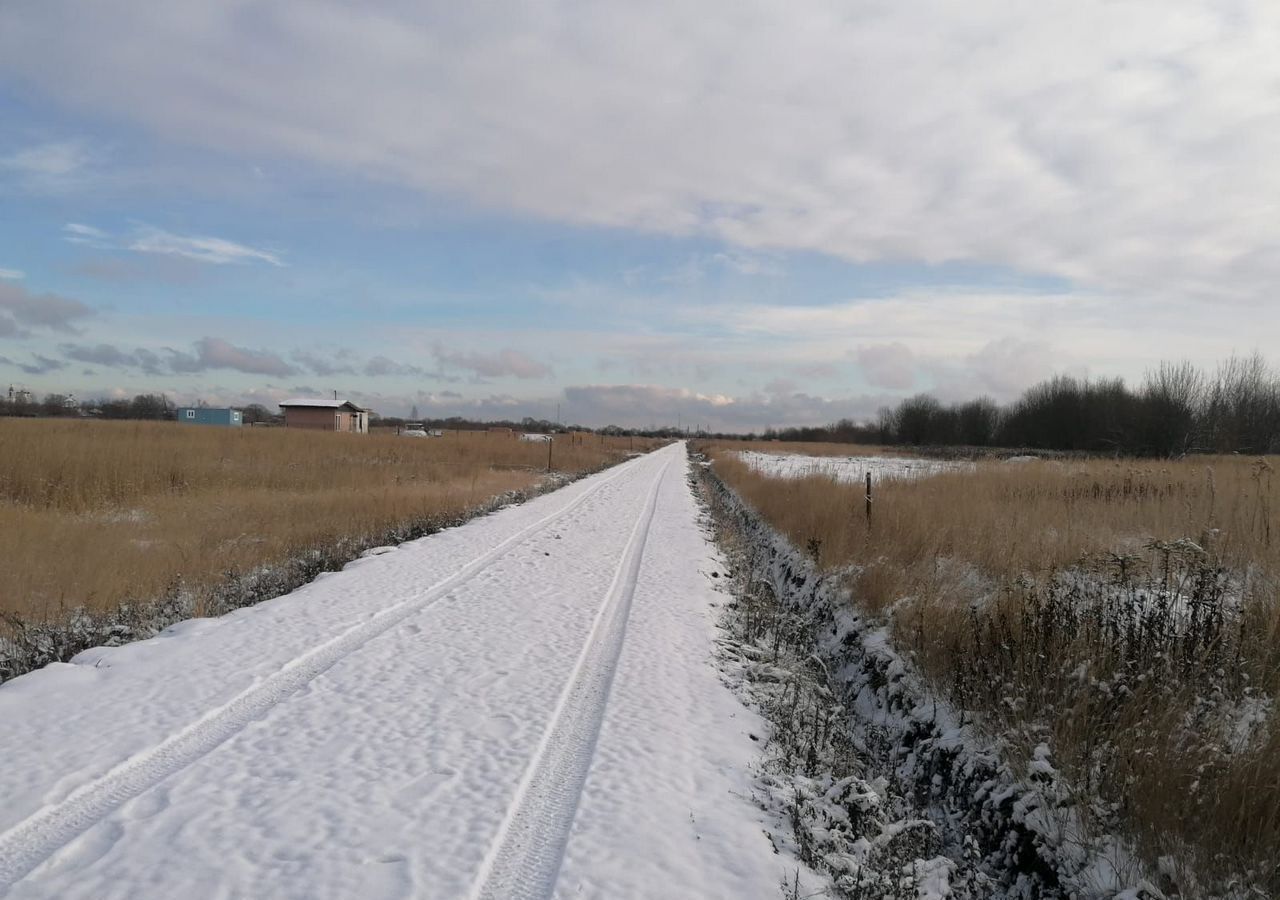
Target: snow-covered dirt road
x: 524, y: 706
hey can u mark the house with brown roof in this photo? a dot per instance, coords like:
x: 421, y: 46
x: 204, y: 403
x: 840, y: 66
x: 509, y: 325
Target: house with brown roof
x: 325, y: 415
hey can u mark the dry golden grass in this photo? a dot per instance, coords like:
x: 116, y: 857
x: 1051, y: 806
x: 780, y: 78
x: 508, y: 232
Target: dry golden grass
x: 1002, y: 581
x: 95, y: 514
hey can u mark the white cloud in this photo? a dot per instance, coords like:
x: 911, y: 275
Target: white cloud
x: 12, y: 274
x: 205, y: 249
x: 77, y: 230
x: 49, y: 161
x: 969, y: 342
x: 87, y: 235
x: 635, y: 405
x: 642, y: 404
x: 148, y: 239
x: 1009, y: 365
x: 380, y: 366
x: 1126, y: 146
x: 750, y: 264
x: 500, y: 364
x: 888, y: 365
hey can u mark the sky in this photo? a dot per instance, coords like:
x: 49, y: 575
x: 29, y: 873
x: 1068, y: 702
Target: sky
x: 728, y: 214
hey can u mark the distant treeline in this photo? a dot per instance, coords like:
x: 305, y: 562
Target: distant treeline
x: 158, y: 406
x: 529, y: 424
x: 142, y: 406
x: 1177, y: 409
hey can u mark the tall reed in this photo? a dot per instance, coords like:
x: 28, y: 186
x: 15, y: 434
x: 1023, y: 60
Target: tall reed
x: 1127, y: 614
x: 96, y: 514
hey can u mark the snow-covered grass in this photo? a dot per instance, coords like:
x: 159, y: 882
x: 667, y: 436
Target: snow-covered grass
x: 1124, y: 617
x: 871, y: 777
x: 846, y: 468
x: 103, y: 521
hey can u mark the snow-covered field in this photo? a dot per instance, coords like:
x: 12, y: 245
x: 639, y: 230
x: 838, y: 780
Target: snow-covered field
x: 846, y: 468
x: 523, y: 706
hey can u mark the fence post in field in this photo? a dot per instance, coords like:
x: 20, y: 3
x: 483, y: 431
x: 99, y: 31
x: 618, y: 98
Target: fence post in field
x: 550, y: 444
x: 868, y: 501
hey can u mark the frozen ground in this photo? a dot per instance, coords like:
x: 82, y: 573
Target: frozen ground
x: 846, y: 468
x: 520, y: 707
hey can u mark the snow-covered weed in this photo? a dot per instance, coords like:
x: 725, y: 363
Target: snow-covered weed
x: 1125, y: 617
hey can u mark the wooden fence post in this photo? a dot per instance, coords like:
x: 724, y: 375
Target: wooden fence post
x: 868, y: 501
x: 550, y: 444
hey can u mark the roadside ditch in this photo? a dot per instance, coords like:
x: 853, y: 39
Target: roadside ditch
x: 873, y: 781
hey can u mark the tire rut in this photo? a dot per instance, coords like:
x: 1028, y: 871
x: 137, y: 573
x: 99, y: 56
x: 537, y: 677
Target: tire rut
x: 524, y: 858
x: 29, y: 843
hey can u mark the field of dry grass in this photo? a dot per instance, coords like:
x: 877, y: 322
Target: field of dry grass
x: 96, y: 514
x: 1126, y: 613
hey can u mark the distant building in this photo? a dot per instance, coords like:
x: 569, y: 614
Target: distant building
x: 326, y: 415
x: 210, y: 415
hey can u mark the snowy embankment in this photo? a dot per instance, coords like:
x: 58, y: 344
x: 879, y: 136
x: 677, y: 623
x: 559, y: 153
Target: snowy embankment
x: 846, y: 468
x: 523, y: 706
x: 885, y: 788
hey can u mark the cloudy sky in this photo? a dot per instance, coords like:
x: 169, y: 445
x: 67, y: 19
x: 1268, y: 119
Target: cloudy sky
x: 741, y: 214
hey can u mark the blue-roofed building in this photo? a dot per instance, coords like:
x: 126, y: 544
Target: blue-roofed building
x: 210, y: 415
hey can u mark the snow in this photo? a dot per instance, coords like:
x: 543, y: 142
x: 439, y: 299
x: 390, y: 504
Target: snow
x: 847, y: 468
x: 524, y: 706
x: 312, y: 401
x: 1040, y: 765
x: 1244, y: 721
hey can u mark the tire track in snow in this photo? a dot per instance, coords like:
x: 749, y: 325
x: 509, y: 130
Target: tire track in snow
x: 524, y: 858
x: 30, y: 842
